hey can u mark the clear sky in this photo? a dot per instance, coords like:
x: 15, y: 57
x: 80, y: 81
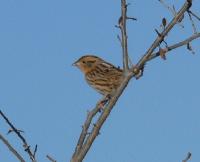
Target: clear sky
x: 157, y: 117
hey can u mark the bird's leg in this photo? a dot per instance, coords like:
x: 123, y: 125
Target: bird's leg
x: 104, y: 102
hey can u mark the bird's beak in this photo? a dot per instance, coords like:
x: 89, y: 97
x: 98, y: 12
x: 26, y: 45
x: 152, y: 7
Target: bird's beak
x: 74, y: 64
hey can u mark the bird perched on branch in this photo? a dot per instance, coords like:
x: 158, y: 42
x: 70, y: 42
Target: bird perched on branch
x: 99, y: 74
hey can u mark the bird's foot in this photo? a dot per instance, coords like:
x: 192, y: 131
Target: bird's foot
x: 103, y: 103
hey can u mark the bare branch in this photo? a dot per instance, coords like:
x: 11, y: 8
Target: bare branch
x: 122, y: 25
x: 50, y: 158
x: 86, y: 126
x: 177, y: 45
x: 106, y: 111
x: 25, y: 144
x: 193, y: 14
x: 20, y: 158
x: 86, y: 140
x: 159, y: 39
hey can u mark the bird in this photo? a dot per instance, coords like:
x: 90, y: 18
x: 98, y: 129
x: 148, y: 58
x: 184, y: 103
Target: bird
x: 101, y: 75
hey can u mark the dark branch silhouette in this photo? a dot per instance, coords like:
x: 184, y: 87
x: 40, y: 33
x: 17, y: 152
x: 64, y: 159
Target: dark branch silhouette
x: 18, y: 133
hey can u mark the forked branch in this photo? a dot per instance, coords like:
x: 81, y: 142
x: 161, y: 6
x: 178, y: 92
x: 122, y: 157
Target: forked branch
x: 18, y: 133
x: 176, y: 45
x: 91, y: 128
x: 162, y: 35
x: 86, y: 139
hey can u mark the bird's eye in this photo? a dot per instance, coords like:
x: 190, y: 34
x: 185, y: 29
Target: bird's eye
x: 83, y: 62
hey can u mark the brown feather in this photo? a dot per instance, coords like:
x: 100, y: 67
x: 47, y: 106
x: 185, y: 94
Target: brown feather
x: 99, y: 74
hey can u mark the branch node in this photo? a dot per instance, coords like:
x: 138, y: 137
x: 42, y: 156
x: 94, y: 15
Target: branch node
x: 11, y: 130
x: 136, y: 70
x: 26, y: 148
x: 193, y: 14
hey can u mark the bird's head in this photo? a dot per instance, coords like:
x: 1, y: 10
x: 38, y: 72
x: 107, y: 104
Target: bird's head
x: 87, y: 63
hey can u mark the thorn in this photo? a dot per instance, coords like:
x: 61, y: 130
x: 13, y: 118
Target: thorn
x: 131, y: 18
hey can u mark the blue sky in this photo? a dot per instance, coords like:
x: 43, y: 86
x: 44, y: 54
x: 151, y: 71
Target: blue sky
x: 157, y: 117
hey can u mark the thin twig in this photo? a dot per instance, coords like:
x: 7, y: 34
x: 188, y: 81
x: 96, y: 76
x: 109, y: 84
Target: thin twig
x: 159, y: 39
x: 172, y: 10
x: 122, y: 25
x: 174, y: 46
x: 50, y: 158
x: 193, y: 14
x: 35, y: 150
x: 11, y: 148
x: 25, y: 144
x: 188, y: 157
x: 192, y: 22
